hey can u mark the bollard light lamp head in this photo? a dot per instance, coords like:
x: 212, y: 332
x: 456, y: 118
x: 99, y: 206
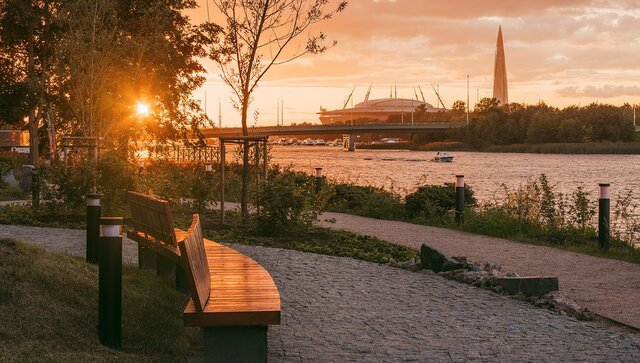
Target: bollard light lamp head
x: 93, y: 200
x: 318, y: 172
x: 111, y: 227
x: 208, y: 167
x: 604, y: 190
x: 459, y: 181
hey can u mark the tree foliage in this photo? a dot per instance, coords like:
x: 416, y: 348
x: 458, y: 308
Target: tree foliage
x: 259, y: 35
x: 80, y: 66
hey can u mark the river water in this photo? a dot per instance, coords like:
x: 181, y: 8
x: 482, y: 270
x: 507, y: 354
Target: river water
x: 402, y: 170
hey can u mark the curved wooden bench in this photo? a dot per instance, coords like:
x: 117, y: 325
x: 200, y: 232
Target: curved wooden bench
x: 151, y: 226
x: 233, y: 299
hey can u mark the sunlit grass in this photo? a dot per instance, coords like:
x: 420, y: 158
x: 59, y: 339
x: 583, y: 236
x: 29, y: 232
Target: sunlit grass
x: 49, y: 304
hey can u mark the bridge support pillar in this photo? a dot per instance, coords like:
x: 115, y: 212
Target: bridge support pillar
x: 349, y: 142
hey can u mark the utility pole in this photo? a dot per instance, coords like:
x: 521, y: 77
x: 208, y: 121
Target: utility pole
x: 467, y: 99
x: 219, y: 114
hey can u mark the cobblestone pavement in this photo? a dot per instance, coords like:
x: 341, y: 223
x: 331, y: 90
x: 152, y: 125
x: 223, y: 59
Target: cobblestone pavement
x: 70, y: 241
x: 608, y: 287
x: 339, y: 309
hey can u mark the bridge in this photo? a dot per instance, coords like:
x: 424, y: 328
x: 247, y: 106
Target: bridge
x: 331, y: 129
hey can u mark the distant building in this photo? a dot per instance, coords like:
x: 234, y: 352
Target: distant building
x: 12, y: 139
x: 375, y: 110
x: 500, y: 87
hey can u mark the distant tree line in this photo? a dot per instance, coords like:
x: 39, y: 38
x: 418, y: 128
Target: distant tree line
x: 493, y: 124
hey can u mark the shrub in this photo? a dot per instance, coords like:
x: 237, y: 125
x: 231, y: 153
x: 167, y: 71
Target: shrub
x: 286, y: 203
x: 431, y: 201
x: 366, y: 201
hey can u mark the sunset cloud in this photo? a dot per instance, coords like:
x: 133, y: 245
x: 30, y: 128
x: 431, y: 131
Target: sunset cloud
x: 606, y: 91
x: 559, y: 51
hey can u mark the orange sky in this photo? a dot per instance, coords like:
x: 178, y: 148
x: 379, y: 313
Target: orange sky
x: 559, y: 51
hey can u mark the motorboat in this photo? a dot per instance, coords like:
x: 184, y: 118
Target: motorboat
x: 443, y: 157
x: 320, y: 142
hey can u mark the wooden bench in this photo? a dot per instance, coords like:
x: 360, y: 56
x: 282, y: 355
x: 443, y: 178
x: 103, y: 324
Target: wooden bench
x: 233, y: 298
x: 151, y: 226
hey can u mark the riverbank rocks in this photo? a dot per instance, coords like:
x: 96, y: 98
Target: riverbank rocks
x: 529, y: 286
x: 563, y: 305
x: 539, y: 291
x: 435, y: 261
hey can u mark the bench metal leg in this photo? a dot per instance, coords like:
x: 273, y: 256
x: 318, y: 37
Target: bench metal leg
x: 181, y: 280
x: 146, y: 258
x: 235, y: 344
x: 165, y: 267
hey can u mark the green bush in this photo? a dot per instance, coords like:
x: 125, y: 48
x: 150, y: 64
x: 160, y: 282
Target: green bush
x: 431, y: 201
x: 286, y: 203
x: 365, y: 201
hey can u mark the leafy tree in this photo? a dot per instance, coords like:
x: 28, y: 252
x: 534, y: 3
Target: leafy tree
x: 259, y: 35
x: 543, y: 128
x: 118, y: 52
x: 28, y: 36
x: 571, y: 130
x: 459, y: 106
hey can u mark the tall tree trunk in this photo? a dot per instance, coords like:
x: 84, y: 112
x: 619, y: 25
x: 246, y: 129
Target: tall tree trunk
x: 33, y: 121
x: 245, y: 162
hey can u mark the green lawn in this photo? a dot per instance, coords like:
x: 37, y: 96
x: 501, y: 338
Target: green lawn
x: 49, y: 311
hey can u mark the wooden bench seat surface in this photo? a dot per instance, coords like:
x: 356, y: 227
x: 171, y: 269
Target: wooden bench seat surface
x: 242, y: 292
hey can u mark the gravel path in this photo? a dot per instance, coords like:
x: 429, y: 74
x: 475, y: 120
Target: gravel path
x: 608, y: 287
x: 340, y: 309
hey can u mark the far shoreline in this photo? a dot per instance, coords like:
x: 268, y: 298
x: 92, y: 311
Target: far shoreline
x: 606, y: 148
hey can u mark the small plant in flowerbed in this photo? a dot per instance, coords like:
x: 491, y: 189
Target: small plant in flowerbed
x: 431, y: 202
x: 365, y: 201
x: 536, y: 213
x: 286, y: 203
x: 315, y: 240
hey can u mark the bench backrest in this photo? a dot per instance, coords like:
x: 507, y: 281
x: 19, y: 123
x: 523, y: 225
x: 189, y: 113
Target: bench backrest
x: 152, y: 216
x: 196, y: 265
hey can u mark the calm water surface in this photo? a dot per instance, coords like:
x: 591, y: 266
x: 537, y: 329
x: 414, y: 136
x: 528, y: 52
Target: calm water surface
x: 402, y: 170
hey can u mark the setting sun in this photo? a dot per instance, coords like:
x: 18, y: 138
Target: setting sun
x: 143, y: 109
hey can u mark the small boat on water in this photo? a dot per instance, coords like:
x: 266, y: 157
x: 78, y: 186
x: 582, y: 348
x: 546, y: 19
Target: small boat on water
x: 443, y: 157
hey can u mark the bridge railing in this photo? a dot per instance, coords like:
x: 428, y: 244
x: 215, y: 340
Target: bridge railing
x: 183, y: 154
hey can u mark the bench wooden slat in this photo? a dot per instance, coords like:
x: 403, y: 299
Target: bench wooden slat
x: 196, y: 265
x: 152, y: 216
x: 242, y: 292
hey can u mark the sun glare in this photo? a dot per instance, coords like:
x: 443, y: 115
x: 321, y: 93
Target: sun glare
x: 142, y: 109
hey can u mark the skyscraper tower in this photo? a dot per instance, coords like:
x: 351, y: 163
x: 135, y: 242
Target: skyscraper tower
x: 500, y: 88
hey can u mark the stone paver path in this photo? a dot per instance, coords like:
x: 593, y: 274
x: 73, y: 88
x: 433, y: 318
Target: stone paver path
x: 608, y: 287
x: 340, y: 309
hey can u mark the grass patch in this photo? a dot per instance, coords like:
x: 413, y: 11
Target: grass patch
x: 319, y: 240
x: 495, y: 225
x: 629, y: 148
x: 49, y: 304
x: 10, y: 193
x: 40, y: 217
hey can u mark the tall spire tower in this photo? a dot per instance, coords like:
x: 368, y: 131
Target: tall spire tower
x: 500, y: 88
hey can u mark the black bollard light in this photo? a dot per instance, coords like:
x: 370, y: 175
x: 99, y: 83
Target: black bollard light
x: 110, y: 282
x: 604, y: 217
x: 93, y: 228
x: 459, y: 198
x: 319, y: 180
x: 35, y: 187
